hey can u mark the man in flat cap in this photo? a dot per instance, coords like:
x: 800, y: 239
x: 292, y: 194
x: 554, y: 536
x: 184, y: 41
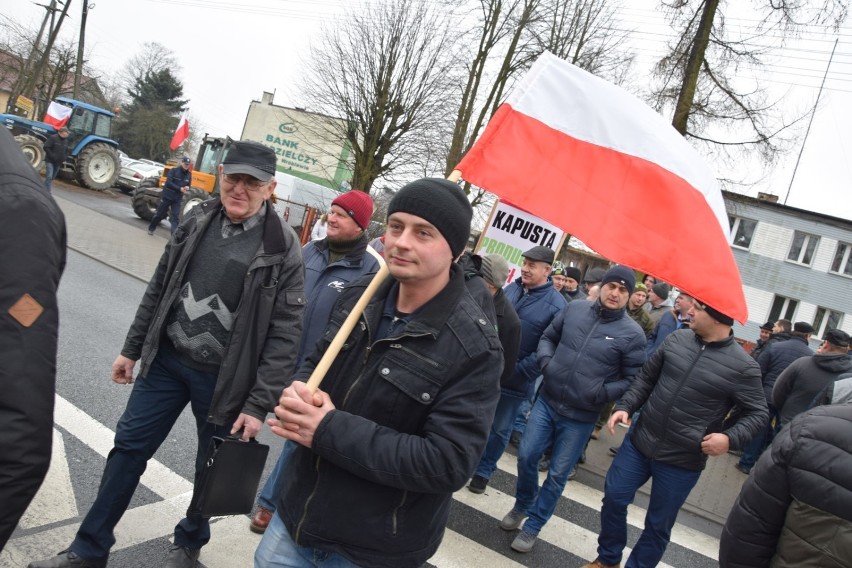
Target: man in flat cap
x: 217, y: 328
x: 761, y: 343
x: 589, y: 355
x: 799, y: 383
x: 536, y: 302
x: 685, y: 391
x: 775, y: 358
x: 403, y: 412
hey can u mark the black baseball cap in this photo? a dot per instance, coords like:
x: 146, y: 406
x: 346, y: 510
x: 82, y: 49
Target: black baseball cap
x: 250, y: 158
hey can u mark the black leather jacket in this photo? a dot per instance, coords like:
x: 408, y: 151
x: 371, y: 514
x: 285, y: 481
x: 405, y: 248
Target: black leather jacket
x: 413, y: 412
x: 687, y: 388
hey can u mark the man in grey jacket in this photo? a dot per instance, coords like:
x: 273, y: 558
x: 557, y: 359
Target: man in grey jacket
x: 218, y: 327
x: 685, y: 390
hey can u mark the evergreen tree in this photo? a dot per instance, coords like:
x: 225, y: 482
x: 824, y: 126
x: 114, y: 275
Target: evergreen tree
x: 146, y: 127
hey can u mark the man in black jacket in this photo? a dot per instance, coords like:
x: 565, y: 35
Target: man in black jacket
x: 55, y: 152
x: 685, y: 391
x: 796, y: 508
x: 32, y: 258
x: 218, y: 327
x: 178, y: 182
x: 404, y: 410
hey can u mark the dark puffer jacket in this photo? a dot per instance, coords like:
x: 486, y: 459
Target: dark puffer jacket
x: 687, y: 387
x: 536, y: 308
x: 778, y: 356
x: 589, y: 355
x: 795, y: 509
x: 797, y: 386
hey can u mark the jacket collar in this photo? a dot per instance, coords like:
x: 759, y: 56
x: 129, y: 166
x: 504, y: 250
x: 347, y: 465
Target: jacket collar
x: 356, y: 253
x: 607, y: 314
x: 432, y: 315
x: 537, y: 290
x: 273, y: 232
x: 715, y: 344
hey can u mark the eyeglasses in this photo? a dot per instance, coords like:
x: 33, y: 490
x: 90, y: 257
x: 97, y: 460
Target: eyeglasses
x: 249, y: 182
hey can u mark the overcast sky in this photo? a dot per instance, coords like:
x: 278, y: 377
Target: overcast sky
x: 230, y: 52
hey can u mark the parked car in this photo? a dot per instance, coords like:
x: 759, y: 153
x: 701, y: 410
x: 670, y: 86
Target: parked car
x: 152, y: 162
x: 134, y: 173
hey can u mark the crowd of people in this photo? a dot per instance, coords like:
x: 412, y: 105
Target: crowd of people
x: 446, y: 366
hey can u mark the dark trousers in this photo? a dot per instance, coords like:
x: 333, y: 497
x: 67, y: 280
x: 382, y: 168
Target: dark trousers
x: 170, y: 206
x: 152, y: 410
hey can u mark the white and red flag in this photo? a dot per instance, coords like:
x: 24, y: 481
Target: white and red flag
x: 599, y: 163
x: 57, y: 115
x: 182, y: 132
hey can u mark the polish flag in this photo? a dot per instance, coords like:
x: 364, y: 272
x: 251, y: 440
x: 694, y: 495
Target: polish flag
x: 57, y: 115
x: 599, y: 163
x: 182, y: 132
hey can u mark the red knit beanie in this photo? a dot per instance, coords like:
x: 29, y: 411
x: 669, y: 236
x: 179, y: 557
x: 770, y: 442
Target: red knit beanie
x: 357, y: 205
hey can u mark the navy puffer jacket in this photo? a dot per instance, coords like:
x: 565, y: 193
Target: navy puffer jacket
x: 536, y: 308
x: 589, y: 355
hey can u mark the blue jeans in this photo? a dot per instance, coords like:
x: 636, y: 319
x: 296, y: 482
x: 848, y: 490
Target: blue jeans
x: 277, y: 550
x: 152, y: 409
x: 498, y: 438
x: 568, y: 437
x: 524, y: 411
x: 669, y: 490
x: 271, y: 493
x: 50, y: 172
x: 166, y: 206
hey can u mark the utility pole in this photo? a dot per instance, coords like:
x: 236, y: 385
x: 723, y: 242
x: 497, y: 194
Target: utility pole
x: 78, y: 70
x: 810, y: 122
x: 17, y: 89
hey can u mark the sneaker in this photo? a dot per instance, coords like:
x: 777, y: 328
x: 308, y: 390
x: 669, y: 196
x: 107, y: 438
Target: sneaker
x: 150, y: 233
x: 524, y: 542
x: 513, y: 520
x: 613, y: 450
x: 515, y: 438
x: 477, y: 484
x: 67, y: 559
x: 598, y: 564
x: 596, y: 433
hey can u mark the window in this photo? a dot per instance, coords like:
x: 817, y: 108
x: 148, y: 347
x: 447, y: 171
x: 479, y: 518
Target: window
x: 842, y: 263
x: 826, y: 319
x: 803, y: 248
x: 103, y: 126
x: 742, y: 230
x: 783, y: 308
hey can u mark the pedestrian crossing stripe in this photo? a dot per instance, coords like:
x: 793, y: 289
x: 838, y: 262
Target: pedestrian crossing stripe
x: 233, y: 545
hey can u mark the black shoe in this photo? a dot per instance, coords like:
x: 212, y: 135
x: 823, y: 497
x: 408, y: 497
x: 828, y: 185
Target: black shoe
x: 515, y: 438
x: 743, y: 469
x: 583, y: 457
x: 544, y: 464
x: 67, y: 559
x: 573, y: 473
x: 477, y: 484
x: 182, y: 557
x: 613, y: 450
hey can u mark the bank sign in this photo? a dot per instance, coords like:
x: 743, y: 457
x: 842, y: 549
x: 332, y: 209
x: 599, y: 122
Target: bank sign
x: 307, y: 145
x: 511, y: 231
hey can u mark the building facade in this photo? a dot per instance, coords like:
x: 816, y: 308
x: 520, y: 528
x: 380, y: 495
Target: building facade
x: 794, y: 264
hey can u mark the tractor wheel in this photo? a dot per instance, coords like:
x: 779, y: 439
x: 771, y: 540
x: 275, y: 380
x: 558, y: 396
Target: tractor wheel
x: 191, y: 198
x: 33, y: 149
x: 145, y: 201
x: 98, y: 166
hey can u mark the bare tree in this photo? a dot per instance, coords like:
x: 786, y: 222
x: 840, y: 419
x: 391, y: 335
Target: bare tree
x: 151, y: 58
x: 384, y: 69
x: 696, y: 77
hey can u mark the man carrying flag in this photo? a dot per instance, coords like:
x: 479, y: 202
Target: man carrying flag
x: 405, y: 408
x: 55, y: 152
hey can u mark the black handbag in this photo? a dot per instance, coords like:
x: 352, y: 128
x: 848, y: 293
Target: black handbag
x: 228, y: 482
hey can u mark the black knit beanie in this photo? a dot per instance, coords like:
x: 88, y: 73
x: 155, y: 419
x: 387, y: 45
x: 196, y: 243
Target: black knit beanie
x: 440, y: 202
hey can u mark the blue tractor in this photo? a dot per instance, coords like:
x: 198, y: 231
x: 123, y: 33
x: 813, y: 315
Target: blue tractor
x: 93, y: 158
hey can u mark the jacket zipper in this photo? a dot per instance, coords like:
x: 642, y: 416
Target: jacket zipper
x: 674, y: 398
x: 396, y: 512
x: 308, y: 502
